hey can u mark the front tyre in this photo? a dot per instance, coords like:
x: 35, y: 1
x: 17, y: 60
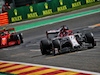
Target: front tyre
x: 90, y: 39
x: 21, y: 37
x: 44, y: 46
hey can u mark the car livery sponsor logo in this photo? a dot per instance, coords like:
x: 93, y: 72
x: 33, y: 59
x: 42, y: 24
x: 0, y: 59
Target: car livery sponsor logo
x: 3, y: 39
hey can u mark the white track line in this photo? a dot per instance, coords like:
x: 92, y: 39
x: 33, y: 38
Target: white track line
x: 75, y: 70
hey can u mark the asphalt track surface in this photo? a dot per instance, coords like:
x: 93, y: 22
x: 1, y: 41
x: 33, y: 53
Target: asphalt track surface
x: 29, y: 52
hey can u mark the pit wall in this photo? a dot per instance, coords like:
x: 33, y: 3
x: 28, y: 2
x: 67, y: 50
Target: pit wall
x: 45, y: 8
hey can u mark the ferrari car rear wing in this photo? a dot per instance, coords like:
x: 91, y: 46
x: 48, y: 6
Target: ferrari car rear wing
x: 11, y: 29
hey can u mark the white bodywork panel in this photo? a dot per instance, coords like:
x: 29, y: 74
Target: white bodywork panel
x: 73, y: 41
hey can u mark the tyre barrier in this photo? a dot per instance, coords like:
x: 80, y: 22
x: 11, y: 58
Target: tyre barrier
x: 4, y: 19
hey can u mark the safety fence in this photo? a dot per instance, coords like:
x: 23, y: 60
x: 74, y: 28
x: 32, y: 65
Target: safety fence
x: 45, y: 8
x: 4, y: 19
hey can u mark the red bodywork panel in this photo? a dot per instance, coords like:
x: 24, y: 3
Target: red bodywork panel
x: 69, y: 32
x: 4, y: 42
x: 66, y: 33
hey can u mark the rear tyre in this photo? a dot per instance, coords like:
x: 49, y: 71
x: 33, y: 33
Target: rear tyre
x: 56, y: 44
x: 21, y: 37
x: 90, y: 39
x: 44, y: 46
x: 16, y: 38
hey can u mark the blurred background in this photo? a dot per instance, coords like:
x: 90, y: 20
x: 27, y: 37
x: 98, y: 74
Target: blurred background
x: 19, y: 3
x: 1, y: 4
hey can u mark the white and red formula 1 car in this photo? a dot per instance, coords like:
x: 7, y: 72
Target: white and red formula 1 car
x: 63, y: 39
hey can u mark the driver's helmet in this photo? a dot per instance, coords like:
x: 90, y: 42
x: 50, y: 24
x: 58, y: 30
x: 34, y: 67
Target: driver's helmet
x: 5, y: 32
x: 64, y: 30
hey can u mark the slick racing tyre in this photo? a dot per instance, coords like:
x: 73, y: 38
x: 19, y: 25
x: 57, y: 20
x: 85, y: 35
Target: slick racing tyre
x: 21, y: 37
x: 90, y: 39
x: 44, y: 46
x: 16, y: 38
x: 56, y: 45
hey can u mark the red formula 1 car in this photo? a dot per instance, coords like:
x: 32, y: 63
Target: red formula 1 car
x: 9, y: 37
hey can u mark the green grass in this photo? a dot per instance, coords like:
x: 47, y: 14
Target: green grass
x: 4, y: 73
x: 68, y: 10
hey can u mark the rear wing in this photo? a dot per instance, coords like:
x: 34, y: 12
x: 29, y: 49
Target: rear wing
x: 11, y: 29
x: 52, y: 32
